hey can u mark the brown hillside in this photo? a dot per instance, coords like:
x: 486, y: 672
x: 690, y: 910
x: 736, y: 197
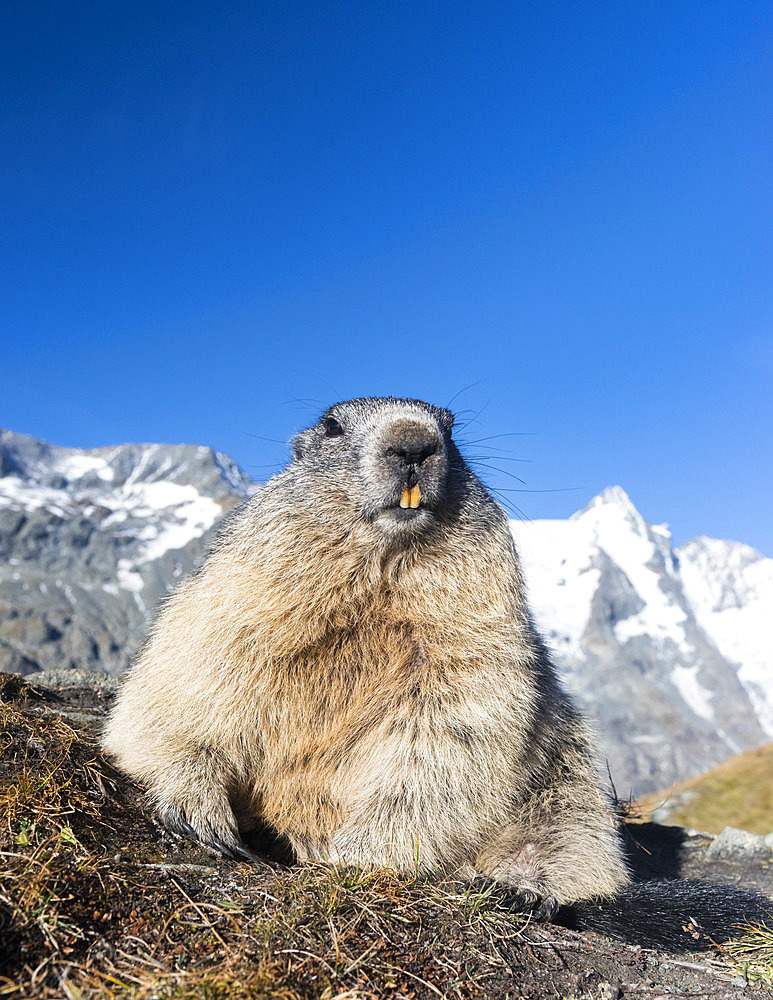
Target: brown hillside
x: 737, y: 793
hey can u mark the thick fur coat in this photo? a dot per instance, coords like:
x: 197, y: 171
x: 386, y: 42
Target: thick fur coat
x: 355, y: 668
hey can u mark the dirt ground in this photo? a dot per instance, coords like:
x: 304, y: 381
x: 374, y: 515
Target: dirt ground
x: 97, y: 900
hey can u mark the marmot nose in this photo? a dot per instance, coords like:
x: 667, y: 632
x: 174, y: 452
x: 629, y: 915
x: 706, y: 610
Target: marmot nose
x: 411, y: 452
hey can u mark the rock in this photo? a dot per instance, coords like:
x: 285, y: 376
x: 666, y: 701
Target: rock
x: 65, y: 678
x: 732, y: 845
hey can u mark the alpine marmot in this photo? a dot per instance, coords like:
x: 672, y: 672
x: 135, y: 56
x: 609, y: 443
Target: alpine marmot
x: 355, y: 668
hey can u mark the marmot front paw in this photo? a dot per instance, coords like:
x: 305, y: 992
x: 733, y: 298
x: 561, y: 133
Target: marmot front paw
x: 221, y: 839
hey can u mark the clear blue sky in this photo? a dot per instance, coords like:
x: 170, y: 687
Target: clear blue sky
x: 218, y: 218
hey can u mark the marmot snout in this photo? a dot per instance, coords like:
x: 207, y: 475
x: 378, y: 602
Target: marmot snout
x: 391, y: 459
x: 410, y: 460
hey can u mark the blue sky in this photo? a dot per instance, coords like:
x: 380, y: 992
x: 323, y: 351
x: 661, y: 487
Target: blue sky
x: 219, y: 218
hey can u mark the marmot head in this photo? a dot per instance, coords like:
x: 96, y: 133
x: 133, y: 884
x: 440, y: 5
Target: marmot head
x: 385, y: 462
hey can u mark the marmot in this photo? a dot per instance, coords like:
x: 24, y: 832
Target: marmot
x: 355, y: 667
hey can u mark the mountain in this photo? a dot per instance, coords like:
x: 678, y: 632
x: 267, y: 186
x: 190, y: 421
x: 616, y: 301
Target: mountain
x: 665, y: 647
x: 730, y: 590
x: 90, y: 541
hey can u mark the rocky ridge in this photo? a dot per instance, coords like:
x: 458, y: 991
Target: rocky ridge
x: 665, y: 647
x: 90, y: 541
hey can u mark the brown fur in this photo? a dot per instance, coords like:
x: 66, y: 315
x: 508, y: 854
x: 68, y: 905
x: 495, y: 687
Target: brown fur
x: 367, y: 682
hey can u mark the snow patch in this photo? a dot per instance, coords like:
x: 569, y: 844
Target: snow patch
x: 685, y: 680
x: 647, y: 624
x: 128, y: 577
x: 188, y: 515
x: 19, y: 494
x: 560, y: 581
x: 77, y: 466
x: 729, y: 587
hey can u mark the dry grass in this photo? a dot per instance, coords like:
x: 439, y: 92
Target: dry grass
x: 737, y: 793
x: 96, y: 901
x: 92, y: 910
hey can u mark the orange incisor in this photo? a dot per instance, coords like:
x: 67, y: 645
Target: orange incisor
x: 411, y: 498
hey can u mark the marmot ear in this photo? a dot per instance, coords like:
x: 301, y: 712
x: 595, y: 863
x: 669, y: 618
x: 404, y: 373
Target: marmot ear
x: 447, y: 420
x: 300, y: 443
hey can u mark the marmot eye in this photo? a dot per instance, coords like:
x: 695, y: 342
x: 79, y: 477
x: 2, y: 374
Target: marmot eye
x: 332, y: 427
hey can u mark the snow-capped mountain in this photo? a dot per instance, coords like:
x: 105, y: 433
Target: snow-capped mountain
x: 729, y: 587
x: 666, y: 648
x: 90, y: 541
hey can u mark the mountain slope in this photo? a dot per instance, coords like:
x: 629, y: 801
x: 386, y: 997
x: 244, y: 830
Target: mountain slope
x: 729, y: 587
x: 739, y: 793
x: 90, y: 541
x: 628, y: 625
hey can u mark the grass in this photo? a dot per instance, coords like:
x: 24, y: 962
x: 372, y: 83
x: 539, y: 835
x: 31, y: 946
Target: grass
x: 97, y: 901
x: 737, y: 793
x: 94, y: 908
x: 750, y: 956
